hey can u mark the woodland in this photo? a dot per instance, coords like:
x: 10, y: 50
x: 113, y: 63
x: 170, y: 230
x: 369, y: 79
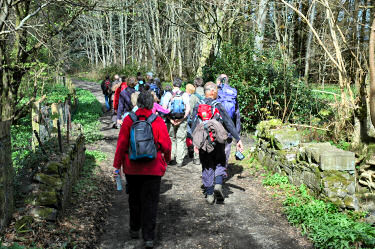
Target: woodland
x: 310, y: 63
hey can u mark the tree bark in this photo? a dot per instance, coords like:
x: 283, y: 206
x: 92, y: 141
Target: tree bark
x: 372, y: 72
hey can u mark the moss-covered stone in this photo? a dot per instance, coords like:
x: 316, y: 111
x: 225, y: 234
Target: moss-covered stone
x: 44, y: 213
x: 351, y: 202
x: 43, y: 198
x: 264, y: 127
x: 53, y: 168
x: 285, y: 138
x: 53, y: 181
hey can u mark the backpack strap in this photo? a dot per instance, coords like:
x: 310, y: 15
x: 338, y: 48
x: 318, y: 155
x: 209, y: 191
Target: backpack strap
x: 151, y: 118
x: 133, y: 116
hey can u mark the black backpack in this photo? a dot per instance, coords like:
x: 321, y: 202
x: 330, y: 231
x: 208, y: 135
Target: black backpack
x: 142, y: 145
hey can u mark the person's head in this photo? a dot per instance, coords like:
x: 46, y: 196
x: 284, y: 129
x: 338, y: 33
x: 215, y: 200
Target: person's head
x: 139, y: 74
x: 190, y: 89
x: 146, y: 87
x: 132, y: 82
x: 149, y: 75
x: 145, y: 100
x: 107, y: 77
x: 168, y: 88
x: 134, y: 98
x: 158, y: 83
x: 223, y: 78
x: 210, y: 90
x: 123, y: 78
x: 198, y: 82
x: 177, y: 82
x: 116, y: 77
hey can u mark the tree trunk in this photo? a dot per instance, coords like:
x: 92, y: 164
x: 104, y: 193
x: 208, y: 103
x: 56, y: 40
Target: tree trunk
x: 261, y: 24
x: 309, y: 41
x: 372, y: 72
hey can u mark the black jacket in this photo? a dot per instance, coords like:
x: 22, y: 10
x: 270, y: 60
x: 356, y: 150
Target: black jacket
x: 225, y: 119
x: 105, y: 90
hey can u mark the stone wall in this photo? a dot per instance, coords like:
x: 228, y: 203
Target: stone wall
x: 6, y: 175
x: 52, y: 186
x: 326, y: 170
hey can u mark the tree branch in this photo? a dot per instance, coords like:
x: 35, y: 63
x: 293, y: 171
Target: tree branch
x: 20, y: 26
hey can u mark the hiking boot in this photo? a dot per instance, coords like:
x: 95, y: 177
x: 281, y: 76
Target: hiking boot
x: 149, y: 244
x: 197, y: 161
x: 172, y: 162
x: 218, y: 192
x: 210, y: 199
x: 134, y: 234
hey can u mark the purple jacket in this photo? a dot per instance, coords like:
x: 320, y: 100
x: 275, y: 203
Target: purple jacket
x: 125, y: 104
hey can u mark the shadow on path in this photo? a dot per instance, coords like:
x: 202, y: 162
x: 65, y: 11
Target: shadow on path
x: 247, y: 219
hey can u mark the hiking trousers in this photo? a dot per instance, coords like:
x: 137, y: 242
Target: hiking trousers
x: 178, y: 136
x: 213, y: 165
x: 108, y: 101
x: 144, y: 191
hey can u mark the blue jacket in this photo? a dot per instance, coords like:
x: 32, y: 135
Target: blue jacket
x: 236, y: 117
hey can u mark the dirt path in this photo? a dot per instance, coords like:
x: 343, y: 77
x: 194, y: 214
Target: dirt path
x: 249, y: 218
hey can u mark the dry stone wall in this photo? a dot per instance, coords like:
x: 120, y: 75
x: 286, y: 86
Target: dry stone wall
x: 327, y: 171
x: 52, y: 186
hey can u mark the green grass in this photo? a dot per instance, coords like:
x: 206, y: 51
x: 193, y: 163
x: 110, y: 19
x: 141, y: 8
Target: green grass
x: 87, y: 114
x: 330, y: 92
x: 323, y: 223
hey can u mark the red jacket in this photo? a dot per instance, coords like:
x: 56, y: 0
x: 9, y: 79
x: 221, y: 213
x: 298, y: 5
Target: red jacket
x: 156, y: 167
x: 117, y: 95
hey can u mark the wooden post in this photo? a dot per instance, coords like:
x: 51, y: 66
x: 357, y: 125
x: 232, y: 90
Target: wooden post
x: 35, y: 119
x: 55, y: 117
x: 59, y: 135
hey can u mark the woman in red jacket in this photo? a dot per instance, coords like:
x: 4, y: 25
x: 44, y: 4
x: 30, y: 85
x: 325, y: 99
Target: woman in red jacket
x: 143, y: 178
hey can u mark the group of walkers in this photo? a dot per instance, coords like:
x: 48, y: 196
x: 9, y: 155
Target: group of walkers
x: 165, y: 125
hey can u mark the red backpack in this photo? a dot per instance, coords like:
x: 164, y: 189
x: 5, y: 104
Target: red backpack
x: 207, y: 112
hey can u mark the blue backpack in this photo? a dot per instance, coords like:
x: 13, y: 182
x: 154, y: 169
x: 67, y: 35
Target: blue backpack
x: 155, y: 88
x: 227, y: 97
x: 142, y: 145
x: 177, y: 106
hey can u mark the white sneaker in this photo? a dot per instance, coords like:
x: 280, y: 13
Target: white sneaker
x: 210, y: 199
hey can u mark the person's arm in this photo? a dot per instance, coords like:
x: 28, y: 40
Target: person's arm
x: 164, y: 140
x: 238, y: 118
x: 121, y: 106
x: 187, y: 104
x: 194, y: 118
x: 103, y: 86
x: 166, y: 100
x: 228, y: 122
x: 122, y: 143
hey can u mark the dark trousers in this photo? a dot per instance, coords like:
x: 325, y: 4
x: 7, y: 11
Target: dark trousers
x: 213, y: 164
x: 144, y: 193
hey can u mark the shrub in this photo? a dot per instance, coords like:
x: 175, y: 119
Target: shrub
x: 267, y: 87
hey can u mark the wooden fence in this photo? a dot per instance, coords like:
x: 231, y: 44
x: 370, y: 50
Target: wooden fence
x: 53, y: 121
